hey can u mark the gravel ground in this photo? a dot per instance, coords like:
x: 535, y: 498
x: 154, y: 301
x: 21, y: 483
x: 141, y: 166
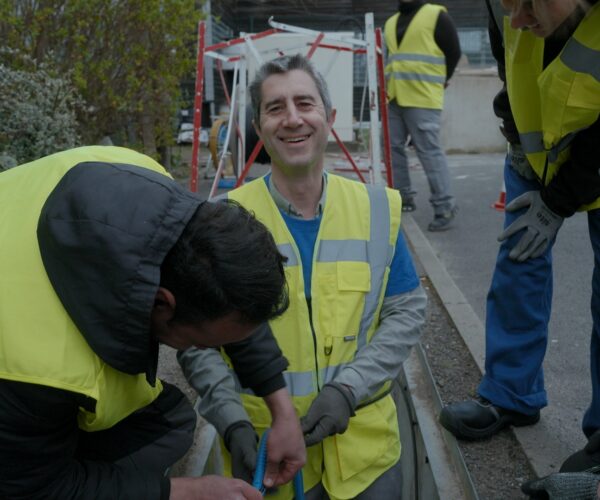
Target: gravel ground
x: 498, y: 465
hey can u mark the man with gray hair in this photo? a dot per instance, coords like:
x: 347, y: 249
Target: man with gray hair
x: 356, y: 304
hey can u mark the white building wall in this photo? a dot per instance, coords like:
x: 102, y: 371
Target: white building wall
x: 468, y: 121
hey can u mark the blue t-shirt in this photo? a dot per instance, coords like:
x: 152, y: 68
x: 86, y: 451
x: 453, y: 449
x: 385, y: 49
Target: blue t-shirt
x: 403, y: 276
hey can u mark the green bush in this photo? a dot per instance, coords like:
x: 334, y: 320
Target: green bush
x: 37, y: 113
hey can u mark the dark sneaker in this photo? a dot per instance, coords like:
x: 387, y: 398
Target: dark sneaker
x: 481, y: 419
x: 442, y: 222
x: 585, y: 460
x: 408, y: 204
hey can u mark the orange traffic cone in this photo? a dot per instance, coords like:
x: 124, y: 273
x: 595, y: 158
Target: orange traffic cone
x: 500, y: 204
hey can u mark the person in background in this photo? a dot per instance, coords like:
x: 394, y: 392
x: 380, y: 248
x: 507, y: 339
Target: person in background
x: 548, y: 54
x: 103, y: 257
x: 422, y: 53
x: 356, y: 304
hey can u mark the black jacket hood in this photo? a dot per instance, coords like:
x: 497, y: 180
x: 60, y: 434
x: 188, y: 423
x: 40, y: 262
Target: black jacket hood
x: 103, y: 233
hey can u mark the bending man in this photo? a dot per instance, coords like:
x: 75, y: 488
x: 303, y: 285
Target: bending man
x: 103, y: 256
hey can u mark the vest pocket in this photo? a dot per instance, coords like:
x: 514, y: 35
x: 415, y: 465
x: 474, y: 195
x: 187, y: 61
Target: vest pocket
x: 373, y: 431
x: 353, y: 277
x: 585, y: 94
x: 353, y: 284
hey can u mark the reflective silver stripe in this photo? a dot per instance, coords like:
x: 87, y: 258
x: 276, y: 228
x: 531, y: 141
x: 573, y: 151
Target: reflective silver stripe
x: 342, y: 250
x: 532, y: 142
x: 287, y: 250
x: 301, y: 383
x: 419, y: 76
x: 380, y: 254
x: 577, y: 57
x: 561, y: 146
x: 418, y: 57
x: 298, y: 383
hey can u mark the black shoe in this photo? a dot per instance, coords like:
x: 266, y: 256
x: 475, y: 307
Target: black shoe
x: 442, y: 222
x: 408, y: 204
x: 585, y: 460
x: 481, y: 419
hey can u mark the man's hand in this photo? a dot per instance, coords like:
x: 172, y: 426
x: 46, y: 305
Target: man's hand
x: 286, y: 453
x: 241, y: 440
x: 328, y: 414
x: 540, y: 223
x: 211, y: 487
x: 564, y: 486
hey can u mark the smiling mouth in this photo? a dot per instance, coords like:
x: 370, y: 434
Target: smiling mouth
x: 295, y: 140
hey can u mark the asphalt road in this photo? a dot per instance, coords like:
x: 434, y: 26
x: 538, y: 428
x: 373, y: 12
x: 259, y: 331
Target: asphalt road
x: 468, y: 252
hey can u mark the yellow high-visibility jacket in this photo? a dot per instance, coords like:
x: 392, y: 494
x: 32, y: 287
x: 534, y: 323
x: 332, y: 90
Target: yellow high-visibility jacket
x: 550, y: 105
x: 353, y: 252
x: 416, y: 69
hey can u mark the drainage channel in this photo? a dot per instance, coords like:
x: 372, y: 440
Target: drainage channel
x: 432, y: 464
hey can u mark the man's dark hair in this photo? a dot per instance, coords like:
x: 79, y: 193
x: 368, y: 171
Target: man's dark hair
x: 225, y: 261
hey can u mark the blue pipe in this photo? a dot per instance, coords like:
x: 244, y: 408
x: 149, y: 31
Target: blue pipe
x: 261, y: 465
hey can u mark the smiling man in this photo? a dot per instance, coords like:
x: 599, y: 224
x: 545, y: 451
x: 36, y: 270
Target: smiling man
x: 103, y: 256
x: 356, y: 305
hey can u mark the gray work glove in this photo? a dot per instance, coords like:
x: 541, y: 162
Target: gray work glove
x: 328, y: 414
x: 564, y: 486
x: 540, y: 223
x: 518, y: 161
x: 241, y: 440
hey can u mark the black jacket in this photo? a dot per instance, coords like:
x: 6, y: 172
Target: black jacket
x: 578, y: 179
x: 103, y: 234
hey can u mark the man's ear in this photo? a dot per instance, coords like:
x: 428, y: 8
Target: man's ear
x: 332, y: 117
x: 256, y: 129
x: 164, y: 305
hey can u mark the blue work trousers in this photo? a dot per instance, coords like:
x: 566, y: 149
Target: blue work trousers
x: 518, y: 311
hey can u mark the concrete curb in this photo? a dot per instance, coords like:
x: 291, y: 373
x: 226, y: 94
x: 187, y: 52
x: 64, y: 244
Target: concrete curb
x: 467, y: 323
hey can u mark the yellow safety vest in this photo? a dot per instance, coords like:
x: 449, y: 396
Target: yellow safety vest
x: 40, y: 343
x: 416, y: 69
x: 354, y: 249
x: 550, y: 105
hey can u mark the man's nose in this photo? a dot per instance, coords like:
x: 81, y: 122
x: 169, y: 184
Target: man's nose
x: 292, y: 116
x: 522, y: 18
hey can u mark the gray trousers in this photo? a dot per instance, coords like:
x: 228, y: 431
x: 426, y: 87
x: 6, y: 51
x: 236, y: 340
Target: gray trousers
x: 388, y: 486
x: 423, y: 126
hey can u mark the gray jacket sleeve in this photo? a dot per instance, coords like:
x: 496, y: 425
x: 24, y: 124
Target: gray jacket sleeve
x: 209, y: 375
x: 401, y: 319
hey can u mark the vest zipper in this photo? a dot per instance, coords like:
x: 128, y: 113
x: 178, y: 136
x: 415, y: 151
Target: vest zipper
x: 314, y: 336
